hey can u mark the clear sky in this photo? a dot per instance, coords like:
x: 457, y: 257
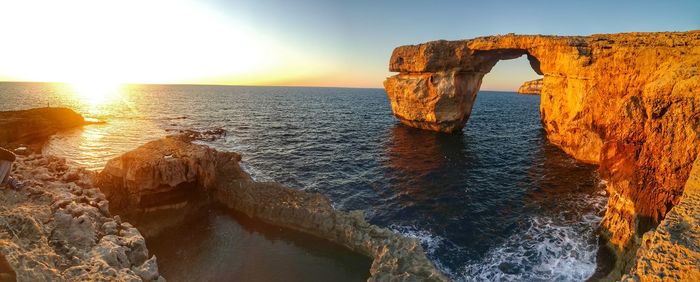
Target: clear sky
x: 284, y: 42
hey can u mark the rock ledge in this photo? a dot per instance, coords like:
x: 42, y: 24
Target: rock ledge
x: 174, y: 166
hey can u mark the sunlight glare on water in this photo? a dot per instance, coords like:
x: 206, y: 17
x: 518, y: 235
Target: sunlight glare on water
x: 497, y: 202
x: 125, y: 127
x: 97, y: 93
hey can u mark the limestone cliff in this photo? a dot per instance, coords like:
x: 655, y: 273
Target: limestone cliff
x: 672, y: 251
x: 531, y: 87
x: 629, y: 102
x: 166, y: 173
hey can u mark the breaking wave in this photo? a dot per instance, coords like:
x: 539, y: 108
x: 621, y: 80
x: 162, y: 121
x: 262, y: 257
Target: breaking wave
x: 556, y: 248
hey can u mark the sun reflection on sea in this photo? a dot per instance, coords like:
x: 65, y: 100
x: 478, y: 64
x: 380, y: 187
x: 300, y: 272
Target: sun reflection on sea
x: 98, y: 96
x: 120, y: 124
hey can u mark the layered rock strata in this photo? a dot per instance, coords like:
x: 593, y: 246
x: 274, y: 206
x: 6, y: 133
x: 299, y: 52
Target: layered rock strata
x: 166, y: 169
x: 59, y: 228
x: 532, y: 87
x: 629, y: 102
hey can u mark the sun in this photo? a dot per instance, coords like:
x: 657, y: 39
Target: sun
x: 96, y: 91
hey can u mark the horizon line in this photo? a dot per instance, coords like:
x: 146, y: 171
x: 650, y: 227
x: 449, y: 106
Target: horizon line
x: 239, y: 85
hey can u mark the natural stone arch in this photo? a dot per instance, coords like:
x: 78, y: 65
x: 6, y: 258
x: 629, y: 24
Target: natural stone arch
x: 628, y: 102
x: 442, y: 100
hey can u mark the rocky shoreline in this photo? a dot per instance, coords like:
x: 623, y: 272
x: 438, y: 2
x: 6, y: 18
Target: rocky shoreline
x: 61, y: 228
x: 66, y: 224
x: 58, y: 226
x: 173, y: 166
x: 31, y: 128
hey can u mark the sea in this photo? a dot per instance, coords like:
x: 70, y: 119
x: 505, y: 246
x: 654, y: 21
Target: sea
x: 496, y: 201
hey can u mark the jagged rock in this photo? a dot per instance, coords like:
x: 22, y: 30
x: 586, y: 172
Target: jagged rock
x: 52, y: 230
x: 672, y: 251
x: 148, y: 271
x: 629, y: 102
x: 531, y: 87
x: 163, y: 173
x: 166, y: 164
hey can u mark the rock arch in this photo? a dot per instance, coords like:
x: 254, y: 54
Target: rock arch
x: 629, y: 102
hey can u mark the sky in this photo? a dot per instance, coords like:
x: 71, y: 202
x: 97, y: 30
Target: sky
x: 278, y: 42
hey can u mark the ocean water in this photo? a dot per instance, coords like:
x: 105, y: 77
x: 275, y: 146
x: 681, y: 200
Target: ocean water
x: 496, y: 202
x: 222, y: 245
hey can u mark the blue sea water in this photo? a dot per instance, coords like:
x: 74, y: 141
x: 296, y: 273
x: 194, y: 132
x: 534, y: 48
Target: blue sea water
x: 494, y: 202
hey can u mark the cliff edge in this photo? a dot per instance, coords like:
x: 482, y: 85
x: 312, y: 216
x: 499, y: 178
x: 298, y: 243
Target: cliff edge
x: 629, y: 102
x: 671, y: 252
x: 532, y: 87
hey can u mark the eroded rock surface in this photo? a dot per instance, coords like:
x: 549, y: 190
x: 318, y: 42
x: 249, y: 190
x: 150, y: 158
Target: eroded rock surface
x: 160, y: 167
x: 533, y: 87
x: 629, y: 102
x: 164, y: 173
x: 672, y: 251
x: 59, y: 228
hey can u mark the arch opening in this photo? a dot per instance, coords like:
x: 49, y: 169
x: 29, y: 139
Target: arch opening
x: 438, y: 94
x: 507, y: 75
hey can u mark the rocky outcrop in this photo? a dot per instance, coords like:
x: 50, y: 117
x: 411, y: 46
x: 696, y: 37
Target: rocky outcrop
x: 629, y: 102
x: 532, y: 87
x: 59, y: 228
x: 35, y: 126
x: 162, y: 169
x: 672, y: 251
x: 164, y: 173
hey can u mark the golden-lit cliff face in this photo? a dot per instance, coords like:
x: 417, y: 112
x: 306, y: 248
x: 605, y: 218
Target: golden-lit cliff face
x: 532, y: 87
x: 629, y: 102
